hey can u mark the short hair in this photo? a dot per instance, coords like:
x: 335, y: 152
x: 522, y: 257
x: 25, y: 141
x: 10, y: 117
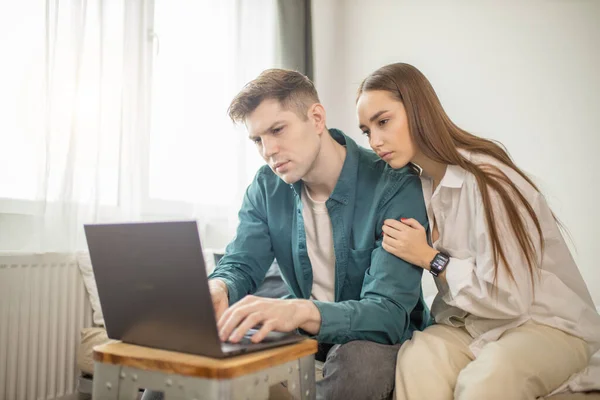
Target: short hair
x: 293, y: 90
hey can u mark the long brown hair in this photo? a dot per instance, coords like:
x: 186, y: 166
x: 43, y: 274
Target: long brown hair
x: 439, y: 139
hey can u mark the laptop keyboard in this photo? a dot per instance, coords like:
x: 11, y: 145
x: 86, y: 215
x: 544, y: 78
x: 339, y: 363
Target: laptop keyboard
x: 244, y: 340
x: 271, y: 337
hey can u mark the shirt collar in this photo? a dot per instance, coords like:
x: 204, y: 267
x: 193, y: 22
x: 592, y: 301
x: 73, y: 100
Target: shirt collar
x: 455, y: 175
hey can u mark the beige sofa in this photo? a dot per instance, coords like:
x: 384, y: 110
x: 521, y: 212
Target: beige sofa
x: 96, y: 335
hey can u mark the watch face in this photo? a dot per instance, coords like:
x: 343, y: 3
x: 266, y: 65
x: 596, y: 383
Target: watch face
x: 439, y: 262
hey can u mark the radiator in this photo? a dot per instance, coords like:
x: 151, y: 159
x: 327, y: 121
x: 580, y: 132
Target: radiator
x: 43, y: 306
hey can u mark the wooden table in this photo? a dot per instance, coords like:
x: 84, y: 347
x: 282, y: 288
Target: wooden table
x: 121, y: 369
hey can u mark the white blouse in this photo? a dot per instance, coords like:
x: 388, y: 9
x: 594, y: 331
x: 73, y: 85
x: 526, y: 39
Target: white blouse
x: 560, y: 298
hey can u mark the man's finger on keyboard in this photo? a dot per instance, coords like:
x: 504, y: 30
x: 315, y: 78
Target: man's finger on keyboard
x: 233, y: 317
x: 268, y: 326
x: 251, y: 319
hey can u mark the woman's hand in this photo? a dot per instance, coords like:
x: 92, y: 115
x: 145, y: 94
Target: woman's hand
x: 407, y: 239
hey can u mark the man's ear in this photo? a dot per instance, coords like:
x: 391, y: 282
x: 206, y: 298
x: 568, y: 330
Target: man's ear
x: 317, y: 115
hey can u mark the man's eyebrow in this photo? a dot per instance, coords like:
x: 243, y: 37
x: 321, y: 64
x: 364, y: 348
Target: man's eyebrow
x: 374, y: 117
x: 270, y: 128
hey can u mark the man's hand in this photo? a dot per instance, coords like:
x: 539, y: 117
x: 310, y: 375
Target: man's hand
x: 220, y: 296
x: 272, y: 314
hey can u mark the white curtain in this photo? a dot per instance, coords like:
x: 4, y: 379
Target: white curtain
x: 206, y: 51
x: 116, y: 111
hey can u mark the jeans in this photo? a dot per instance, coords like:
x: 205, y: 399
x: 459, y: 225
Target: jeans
x: 359, y: 370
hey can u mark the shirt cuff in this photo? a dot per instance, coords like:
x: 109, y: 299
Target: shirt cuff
x: 335, y: 323
x: 233, y: 292
x: 458, y: 275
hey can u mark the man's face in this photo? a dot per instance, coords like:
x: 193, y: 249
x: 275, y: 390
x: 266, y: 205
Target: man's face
x: 285, y: 141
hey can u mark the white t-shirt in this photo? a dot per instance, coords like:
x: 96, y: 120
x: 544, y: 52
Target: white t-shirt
x: 319, y: 245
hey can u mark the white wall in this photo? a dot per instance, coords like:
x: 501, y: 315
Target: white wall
x: 525, y: 73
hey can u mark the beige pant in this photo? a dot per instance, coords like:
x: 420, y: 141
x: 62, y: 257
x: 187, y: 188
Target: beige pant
x: 525, y: 363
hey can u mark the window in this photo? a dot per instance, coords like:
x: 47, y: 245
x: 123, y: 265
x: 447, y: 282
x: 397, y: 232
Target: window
x: 69, y: 131
x: 60, y: 102
x: 21, y: 103
x: 196, y: 154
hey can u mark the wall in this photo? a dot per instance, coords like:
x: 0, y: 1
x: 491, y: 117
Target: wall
x: 524, y: 73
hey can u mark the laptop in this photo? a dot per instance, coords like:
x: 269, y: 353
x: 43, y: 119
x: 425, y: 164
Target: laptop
x: 153, y: 289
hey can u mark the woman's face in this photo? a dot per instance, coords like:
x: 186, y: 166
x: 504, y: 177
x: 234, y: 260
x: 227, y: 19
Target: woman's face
x: 383, y: 119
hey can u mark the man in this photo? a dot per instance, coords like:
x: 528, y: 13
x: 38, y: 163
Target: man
x: 318, y: 207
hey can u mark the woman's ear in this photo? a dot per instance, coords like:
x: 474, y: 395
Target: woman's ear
x: 317, y: 115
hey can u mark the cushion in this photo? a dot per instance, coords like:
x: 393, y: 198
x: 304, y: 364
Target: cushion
x: 87, y: 273
x: 85, y: 267
x: 90, y: 337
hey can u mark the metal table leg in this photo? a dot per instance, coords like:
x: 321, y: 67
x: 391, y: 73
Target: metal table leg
x: 106, y: 381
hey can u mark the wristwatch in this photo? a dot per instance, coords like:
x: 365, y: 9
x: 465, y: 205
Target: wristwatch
x: 439, y: 263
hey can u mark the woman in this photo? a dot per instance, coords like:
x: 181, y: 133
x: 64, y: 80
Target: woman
x: 514, y: 318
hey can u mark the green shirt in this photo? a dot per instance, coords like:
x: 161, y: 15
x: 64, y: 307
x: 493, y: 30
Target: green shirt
x: 378, y: 296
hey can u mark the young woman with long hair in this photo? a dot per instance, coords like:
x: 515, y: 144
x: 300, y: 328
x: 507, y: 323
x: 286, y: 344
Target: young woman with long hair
x: 513, y: 316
